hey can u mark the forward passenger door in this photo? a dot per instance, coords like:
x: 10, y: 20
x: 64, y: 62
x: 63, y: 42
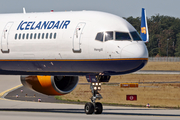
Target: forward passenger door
x: 77, y: 37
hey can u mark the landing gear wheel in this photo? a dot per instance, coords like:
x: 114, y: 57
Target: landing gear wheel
x: 98, y: 108
x: 89, y: 108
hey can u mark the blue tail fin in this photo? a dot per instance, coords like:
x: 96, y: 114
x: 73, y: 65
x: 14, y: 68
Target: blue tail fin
x: 144, y: 27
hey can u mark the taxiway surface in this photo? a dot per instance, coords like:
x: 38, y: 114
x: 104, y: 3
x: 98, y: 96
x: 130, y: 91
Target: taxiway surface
x: 18, y: 110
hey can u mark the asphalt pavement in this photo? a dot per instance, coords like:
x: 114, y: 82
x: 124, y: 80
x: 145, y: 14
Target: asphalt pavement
x: 27, y: 107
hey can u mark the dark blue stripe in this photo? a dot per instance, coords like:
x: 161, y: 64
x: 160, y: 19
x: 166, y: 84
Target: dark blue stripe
x: 70, y: 67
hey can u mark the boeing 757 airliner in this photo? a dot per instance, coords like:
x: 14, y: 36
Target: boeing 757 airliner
x: 50, y: 50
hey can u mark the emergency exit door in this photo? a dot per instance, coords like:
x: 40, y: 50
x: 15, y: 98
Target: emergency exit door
x: 77, y: 37
x: 4, y: 38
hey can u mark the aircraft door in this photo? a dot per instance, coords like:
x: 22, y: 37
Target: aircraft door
x: 77, y: 37
x: 4, y: 38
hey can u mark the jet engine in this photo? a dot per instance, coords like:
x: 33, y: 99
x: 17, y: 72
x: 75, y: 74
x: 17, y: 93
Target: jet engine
x: 50, y: 85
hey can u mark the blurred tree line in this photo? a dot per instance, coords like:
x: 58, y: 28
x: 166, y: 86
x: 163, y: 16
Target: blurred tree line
x: 164, y: 33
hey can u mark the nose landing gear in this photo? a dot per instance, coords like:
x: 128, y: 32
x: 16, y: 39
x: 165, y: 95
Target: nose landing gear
x: 95, y: 86
x: 94, y: 107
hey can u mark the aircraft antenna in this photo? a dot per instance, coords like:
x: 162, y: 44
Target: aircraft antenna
x: 24, y: 10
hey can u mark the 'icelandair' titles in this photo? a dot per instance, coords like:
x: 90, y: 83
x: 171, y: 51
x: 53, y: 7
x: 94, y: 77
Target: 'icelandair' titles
x: 33, y: 25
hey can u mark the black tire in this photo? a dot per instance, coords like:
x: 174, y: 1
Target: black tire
x: 89, y: 108
x: 98, y: 108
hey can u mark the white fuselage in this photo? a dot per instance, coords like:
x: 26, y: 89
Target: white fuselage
x: 64, y: 37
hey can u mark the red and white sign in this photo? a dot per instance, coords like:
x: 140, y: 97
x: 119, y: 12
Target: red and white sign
x: 131, y: 97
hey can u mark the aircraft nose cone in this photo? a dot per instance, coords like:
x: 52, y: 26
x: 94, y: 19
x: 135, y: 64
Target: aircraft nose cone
x: 136, y: 50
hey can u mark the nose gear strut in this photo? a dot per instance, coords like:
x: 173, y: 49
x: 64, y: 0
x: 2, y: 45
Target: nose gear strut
x: 95, y: 86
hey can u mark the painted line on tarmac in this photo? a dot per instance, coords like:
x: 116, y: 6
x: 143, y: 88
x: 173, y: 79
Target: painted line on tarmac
x: 2, y: 93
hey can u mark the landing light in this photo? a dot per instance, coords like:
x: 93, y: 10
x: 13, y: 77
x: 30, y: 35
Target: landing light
x: 95, y: 88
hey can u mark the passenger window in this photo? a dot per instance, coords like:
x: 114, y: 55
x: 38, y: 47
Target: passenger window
x: 34, y: 35
x: 46, y: 35
x: 99, y: 36
x: 108, y: 36
x: 19, y: 36
x: 39, y: 35
x: 15, y: 36
x: 31, y: 36
x: 54, y: 35
x: 27, y: 35
x: 136, y: 36
x: 50, y: 36
x: 23, y: 36
x: 122, y: 36
x: 43, y: 36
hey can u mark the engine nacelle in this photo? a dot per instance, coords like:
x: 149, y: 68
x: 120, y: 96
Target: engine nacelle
x: 50, y: 85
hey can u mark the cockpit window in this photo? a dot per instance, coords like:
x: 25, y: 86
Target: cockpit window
x: 136, y: 36
x: 122, y: 36
x: 99, y: 36
x: 108, y: 36
x: 111, y: 35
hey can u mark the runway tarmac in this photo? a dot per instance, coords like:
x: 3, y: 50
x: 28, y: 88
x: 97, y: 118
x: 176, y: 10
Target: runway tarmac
x: 17, y: 110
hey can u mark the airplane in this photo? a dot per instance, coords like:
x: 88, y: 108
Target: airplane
x: 51, y: 49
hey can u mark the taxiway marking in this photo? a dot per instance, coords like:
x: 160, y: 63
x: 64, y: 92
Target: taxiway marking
x: 2, y: 93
